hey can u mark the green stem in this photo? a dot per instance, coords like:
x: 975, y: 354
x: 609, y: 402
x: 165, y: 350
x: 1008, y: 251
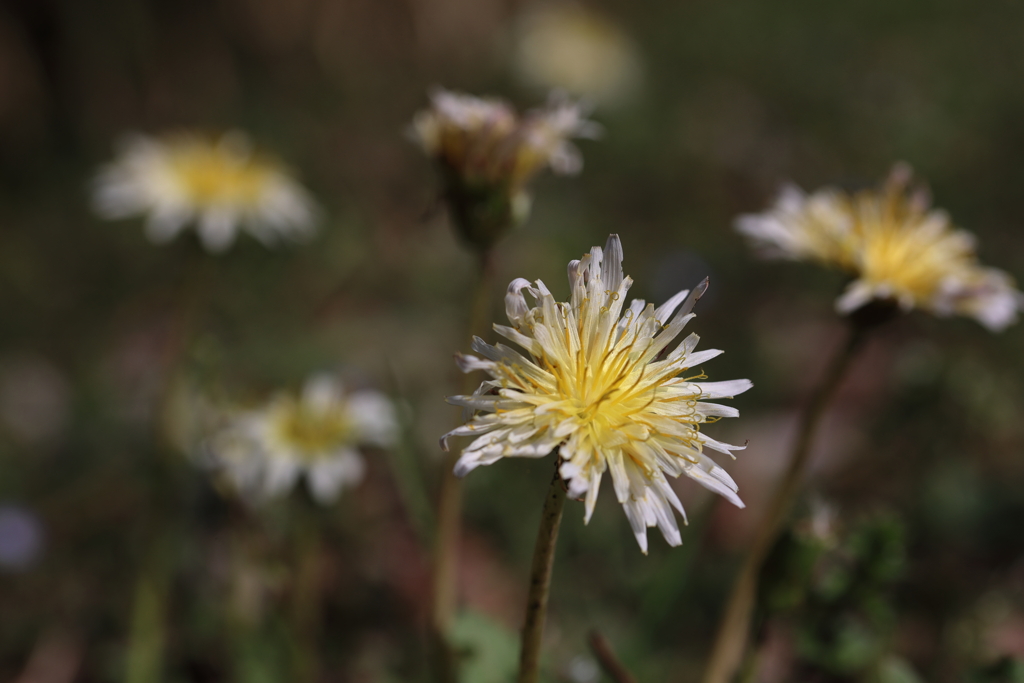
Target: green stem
x: 146, y: 641
x: 733, y: 631
x: 449, y: 510
x: 540, y: 581
x: 407, y: 471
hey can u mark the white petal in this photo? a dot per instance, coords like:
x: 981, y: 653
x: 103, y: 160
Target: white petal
x: 637, y: 522
x: 279, y: 475
x: 322, y: 391
x: 719, y: 446
x: 217, y: 228
x: 695, y: 359
x: 725, y: 389
x: 374, y: 416
x: 714, y: 478
x: 515, y: 303
x: 611, y: 266
x: 620, y: 479
x: 164, y: 224
x: 692, y: 299
x: 473, y: 428
x: 665, y: 311
x: 717, y: 410
x: 856, y: 295
x: 593, y: 488
x: 329, y: 475
x: 518, y: 337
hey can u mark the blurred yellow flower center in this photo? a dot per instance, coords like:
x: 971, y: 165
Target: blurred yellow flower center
x: 907, y: 249
x: 312, y: 432
x: 212, y: 175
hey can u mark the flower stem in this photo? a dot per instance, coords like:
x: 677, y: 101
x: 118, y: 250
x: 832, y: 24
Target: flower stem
x: 144, y: 661
x: 733, y: 630
x: 540, y: 581
x: 305, y: 589
x: 605, y: 656
x: 449, y: 509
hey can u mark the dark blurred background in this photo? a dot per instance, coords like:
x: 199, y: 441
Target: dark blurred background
x: 119, y: 560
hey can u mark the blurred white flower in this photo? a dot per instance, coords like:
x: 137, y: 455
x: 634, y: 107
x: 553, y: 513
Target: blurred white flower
x: 799, y: 227
x: 893, y: 244
x: 317, y: 434
x: 598, y: 385
x: 583, y: 669
x: 487, y: 153
x: 485, y: 141
x: 221, y: 185
x: 565, y: 45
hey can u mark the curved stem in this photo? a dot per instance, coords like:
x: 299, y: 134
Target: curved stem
x: 449, y: 509
x: 605, y: 656
x: 733, y: 630
x: 540, y: 581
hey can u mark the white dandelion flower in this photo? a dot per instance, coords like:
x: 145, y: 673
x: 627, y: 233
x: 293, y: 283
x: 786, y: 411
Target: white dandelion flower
x: 315, y: 435
x: 222, y: 186
x: 486, y: 142
x: 597, y: 383
x: 487, y: 153
x: 893, y: 244
x: 799, y: 227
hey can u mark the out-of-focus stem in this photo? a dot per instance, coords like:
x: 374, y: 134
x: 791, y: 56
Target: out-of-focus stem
x: 540, y: 581
x: 193, y: 299
x: 449, y: 509
x: 305, y: 607
x: 605, y: 656
x: 147, y: 637
x: 733, y: 630
x: 406, y: 469
x: 145, y: 657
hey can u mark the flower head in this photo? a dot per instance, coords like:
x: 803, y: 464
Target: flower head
x: 569, y: 46
x: 893, y: 244
x: 597, y: 383
x: 487, y: 153
x: 318, y: 434
x: 221, y: 185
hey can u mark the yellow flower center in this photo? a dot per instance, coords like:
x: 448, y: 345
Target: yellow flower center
x: 908, y: 250
x: 213, y: 175
x: 604, y: 389
x: 599, y: 392
x: 312, y: 432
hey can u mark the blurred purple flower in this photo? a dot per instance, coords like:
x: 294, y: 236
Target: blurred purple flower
x: 21, y: 537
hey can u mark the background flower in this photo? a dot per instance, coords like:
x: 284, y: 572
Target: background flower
x: 487, y: 153
x: 317, y: 435
x: 576, y: 48
x: 896, y: 247
x: 221, y: 185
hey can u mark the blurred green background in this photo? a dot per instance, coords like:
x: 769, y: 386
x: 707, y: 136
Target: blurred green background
x: 120, y: 559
